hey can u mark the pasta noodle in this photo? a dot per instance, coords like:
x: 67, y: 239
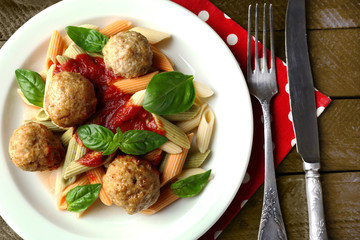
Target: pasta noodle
x: 202, y: 90
x: 205, y: 130
x: 183, y: 116
x: 42, y: 115
x: 55, y: 48
x: 161, y: 61
x: 73, y: 50
x: 70, y: 156
x: 66, y: 136
x: 166, y: 198
x: 133, y: 85
x: 189, y: 125
x: 170, y: 147
x: 196, y: 159
x: 152, y: 36
x: 62, y: 59
x: 82, y: 180
x: 95, y: 176
x: 174, y: 164
x: 173, y: 133
x: 50, y: 125
x: 116, y: 27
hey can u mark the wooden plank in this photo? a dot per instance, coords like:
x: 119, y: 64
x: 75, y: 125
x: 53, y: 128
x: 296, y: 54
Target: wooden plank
x: 339, y: 131
x: 341, y: 193
x: 334, y: 56
x: 321, y: 14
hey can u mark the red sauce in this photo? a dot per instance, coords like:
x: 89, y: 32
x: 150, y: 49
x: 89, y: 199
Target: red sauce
x: 92, y: 159
x: 111, y: 110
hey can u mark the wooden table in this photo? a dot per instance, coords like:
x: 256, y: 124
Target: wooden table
x: 334, y: 45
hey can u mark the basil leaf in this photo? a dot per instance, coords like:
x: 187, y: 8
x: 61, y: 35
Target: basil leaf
x: 95, y: 137
x: 169, y: 93
x: 113, y: 146
x: 81, y: 197
x: 190, y: 186
x: 31, y: 85
x: 138, y: 142
x: 88, y: 39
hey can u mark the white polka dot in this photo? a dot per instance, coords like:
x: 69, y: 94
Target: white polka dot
x: 203, y: 15
x: 293, y: 142
x: 319, y: 110
x: 246, y: 178
x: 290, y: 117
x: 232, y: 39
x: 287, y: 89
x: 243, y: 203
x: 226, y: 16
x: 217, y: 234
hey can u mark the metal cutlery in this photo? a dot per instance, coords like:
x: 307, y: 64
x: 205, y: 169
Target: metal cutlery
x: 303, y: 109
x: 262, y: 84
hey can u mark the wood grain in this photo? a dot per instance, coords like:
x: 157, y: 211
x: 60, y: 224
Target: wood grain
x: 339, y: 132
x: 341, y: 192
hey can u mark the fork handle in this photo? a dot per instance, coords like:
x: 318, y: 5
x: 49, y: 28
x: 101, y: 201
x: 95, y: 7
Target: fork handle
x: 271, y: 223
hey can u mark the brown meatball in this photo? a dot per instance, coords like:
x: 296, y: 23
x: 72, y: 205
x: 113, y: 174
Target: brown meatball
x: 132, y: 183
x: 70, y: 99
x: 128, y: 54
x: 33, y: 147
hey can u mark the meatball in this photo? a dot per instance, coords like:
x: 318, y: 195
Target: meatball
x: 70, y: 99
x: 128, y: 54
x: 132, y: 183
x: 33, y: 147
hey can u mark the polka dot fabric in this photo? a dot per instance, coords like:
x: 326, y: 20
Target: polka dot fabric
x: 282, y: 130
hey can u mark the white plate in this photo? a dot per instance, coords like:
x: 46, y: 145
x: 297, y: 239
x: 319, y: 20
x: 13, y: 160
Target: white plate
x: 27, y: 205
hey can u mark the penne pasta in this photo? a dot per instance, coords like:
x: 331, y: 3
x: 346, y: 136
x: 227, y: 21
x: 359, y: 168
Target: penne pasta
x: 196, y: 159
x: 174, y: 164
x: 75, y: 167
x: 70, y: 156
x: 154, y: 156
x: 171, y: 147
x: 202, y: 90
x: 152, y: 36
x: 66, y: 136
x: 173, y: 132
x: 42, y: 115
x: 116, y: 27
x: 161, y: 61
x: 133, y: 85
x: 50, y: 125
x: 82, y: 180
x: 73, y: 50
x: 90, y: 26
x: 59, y: 186
x: 55, y: 48
x: 205, y: 130
x: 62, y: 59
x: 184, y: 116
x: 137, y: 99
x: 189, y: 125
x: 95, y: 176
x: 166, y: 198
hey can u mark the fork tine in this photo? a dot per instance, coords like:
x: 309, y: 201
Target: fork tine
x: 256, y: 39
x: 272, y: 41
x: 264, y: 59
x: 249, y: 68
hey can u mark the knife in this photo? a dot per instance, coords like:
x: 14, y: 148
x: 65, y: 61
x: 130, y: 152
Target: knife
x: 303, y: 109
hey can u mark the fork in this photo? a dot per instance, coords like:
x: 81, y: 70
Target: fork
x: 262, y: 84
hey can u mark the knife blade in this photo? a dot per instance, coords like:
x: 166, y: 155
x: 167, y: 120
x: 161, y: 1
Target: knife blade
x: 303, y: 109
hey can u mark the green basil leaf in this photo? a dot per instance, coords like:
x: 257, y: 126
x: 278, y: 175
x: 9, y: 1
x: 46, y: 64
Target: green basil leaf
x: 169, y: 93
x: 31, y: 85
x: 113, y: 146
x: 190, y: 186
x: 138, y: 142
x: 81, y: 197
x: 95, y: 137
x: 88, y: 39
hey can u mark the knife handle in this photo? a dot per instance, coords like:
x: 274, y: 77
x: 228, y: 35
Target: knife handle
x: 317, y: 228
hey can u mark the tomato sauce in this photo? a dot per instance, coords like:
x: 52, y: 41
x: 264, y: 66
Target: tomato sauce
x: 112, y: 112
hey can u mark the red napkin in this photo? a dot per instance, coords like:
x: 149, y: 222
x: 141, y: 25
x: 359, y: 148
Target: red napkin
x: 282, y: 129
